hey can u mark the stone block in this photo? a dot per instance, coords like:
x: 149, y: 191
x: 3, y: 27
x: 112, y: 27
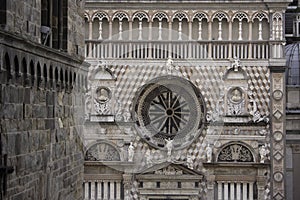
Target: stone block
x: 50, y: 124
x: 50, y: 98
x: 27, y: 94
x: 27, y: 110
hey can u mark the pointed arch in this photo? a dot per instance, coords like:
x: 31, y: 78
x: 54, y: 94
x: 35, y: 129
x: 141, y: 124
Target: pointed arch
x: 7, y: 67
x: 17, y: 67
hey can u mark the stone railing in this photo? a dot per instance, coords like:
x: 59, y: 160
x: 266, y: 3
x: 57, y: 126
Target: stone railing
x: 177, y: 49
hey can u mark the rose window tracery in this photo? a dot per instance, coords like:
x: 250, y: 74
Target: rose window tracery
x: 169, y: 109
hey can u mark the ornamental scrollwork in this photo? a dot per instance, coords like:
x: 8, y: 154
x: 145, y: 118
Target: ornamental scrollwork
x: 235, y: 153
x: 102, y: 152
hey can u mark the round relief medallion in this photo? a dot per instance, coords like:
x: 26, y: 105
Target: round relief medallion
x: 277, y: 136
x: 169, y: 108
x: 102, y: 94
x: 236, y: 95
x: 278, y: 176
x: 277, y: 95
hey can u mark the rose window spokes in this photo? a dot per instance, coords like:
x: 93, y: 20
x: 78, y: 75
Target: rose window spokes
x: 169, y: 113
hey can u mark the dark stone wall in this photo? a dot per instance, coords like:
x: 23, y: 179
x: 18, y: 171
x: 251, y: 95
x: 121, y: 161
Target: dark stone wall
x: 41, y: 99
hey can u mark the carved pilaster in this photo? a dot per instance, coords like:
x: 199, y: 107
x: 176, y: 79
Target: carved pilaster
x: 211, y: 186
x: 278, y: 143
x: 127, y: 181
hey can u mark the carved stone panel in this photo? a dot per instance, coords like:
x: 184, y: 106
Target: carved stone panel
x: 235, y: 153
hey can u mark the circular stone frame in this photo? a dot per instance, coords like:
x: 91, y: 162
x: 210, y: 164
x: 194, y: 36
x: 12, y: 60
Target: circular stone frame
x: 169, y: 108
x: 100, y: 97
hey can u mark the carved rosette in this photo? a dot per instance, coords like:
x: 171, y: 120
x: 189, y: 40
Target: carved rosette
x: 278, y: 135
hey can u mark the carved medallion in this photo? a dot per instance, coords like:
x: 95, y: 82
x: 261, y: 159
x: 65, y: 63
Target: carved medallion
x: 236, y: 95
x: 103, y: 95
x: 277, y: 136
x: 277, y: 95
x: 278, y: 176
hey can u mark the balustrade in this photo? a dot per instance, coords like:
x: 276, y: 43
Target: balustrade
x: 180, y: 49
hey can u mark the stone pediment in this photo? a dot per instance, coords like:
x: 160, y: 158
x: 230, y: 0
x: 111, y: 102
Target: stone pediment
x: 170, y: 170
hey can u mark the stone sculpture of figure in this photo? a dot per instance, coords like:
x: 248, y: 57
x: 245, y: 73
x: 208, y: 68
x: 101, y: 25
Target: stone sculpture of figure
x: 189, y: 161
x: 169, y: 146
x: 169, y: 65
x: 236, y: 64
x: 102, y: 95
x: 130, y: 152
x: 126, y: 116
x: 236, y: 95
x: 262, y: 153
x: 118, y: 111
x: 208, y: 153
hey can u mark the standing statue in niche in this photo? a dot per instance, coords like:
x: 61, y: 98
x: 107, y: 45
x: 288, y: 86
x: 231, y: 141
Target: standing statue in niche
x: 208, y: 153
x: 130, y: 152
x: 263, y: 153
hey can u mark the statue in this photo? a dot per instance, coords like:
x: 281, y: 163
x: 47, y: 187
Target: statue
x: 169, y: 146
x: 262, y: 153
x: 169, y: 65
x: 189, y: 160
x: 130, y: 152
x: 118, y: 111
x: 126, y: 116
x: 208, y: 153
x: 236, y: 64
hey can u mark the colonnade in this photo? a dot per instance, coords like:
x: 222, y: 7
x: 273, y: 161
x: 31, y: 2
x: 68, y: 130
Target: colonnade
x: 102, y: 190
x: 230, y: 190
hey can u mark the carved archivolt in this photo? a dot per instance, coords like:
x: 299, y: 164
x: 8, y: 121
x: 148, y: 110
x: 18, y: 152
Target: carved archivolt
x: 235, y: 153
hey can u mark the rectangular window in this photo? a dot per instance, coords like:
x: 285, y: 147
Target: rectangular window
x: 3, y: 12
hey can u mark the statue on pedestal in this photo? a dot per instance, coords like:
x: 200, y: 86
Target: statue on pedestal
x: 130, y: 152
x: 208, y: 153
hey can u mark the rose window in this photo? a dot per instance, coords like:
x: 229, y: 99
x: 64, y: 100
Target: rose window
x: 169, y: 108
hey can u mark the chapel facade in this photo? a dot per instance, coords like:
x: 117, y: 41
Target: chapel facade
x: 185, y: 100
